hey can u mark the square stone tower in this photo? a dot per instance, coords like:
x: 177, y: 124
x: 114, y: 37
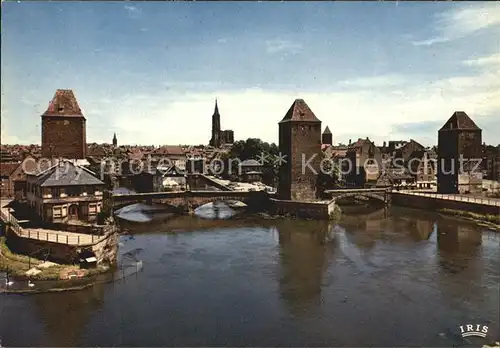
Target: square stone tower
x: 459, y: 138
x: 300, y: 144
x: 64, y: 127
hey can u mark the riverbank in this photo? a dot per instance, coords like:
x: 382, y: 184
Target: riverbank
x: 487, y: 220
x: 23, y: 267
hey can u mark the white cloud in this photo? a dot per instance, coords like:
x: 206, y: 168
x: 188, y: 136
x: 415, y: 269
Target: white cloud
x: 491, y: 60
x: 462, y: 21
x: 276, y: 46
x: 375, y: 81
x: 177, y: 117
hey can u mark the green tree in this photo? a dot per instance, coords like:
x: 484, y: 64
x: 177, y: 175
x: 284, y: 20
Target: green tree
x: 329, y: 176
x: 253, y: 148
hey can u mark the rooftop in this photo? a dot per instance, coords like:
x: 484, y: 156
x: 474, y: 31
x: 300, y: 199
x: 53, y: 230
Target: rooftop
x: 65, y: 173
x: 300, y: 111
x: 64, y: 104
x: 459, y: 120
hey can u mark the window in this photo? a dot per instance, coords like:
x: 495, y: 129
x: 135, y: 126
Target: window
x: 74, y: 190
x: 56, y: 192
x: 57, y: 212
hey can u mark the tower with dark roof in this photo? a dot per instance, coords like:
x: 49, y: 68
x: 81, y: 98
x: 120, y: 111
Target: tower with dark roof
x: 64, y: 127
x: 326, y: 137
x: 300, y: 146
x: 115, y: 141
x: 459, y: 149
x: 215, y: 141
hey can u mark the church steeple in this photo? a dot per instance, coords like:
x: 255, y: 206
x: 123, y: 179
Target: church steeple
x: 115, y: 141
x: 216, y: 110
x: 215, y: 141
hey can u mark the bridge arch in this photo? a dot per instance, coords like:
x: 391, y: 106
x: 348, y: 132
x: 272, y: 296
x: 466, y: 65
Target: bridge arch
x: 379, y: 194
x: 190, y: 200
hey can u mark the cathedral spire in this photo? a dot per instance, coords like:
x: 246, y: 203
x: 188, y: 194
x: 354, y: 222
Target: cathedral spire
x: 216, y: 110
x: 215, y: 140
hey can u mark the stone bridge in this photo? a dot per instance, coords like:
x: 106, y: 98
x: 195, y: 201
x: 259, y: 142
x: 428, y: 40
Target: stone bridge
x: 198, y: 181
x: 190, y: 200
x: 380, y: 194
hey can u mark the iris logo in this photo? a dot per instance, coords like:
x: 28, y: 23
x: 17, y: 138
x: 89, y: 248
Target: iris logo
x: 473, y: 330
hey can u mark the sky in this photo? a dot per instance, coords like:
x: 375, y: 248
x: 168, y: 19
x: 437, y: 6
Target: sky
x: 151, y: 71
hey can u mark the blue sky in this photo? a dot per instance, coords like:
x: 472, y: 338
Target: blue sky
x: 150, y: 71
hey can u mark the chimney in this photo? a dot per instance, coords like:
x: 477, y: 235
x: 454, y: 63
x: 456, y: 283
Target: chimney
x: 349, y: 142
x: 384, y: 143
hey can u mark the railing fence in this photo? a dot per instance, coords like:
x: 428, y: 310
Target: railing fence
x: 77, y: 239
x: 462, y: 198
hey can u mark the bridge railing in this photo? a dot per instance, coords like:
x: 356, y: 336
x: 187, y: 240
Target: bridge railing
x: 46, y: 235
x: 349, y: 190
x: 75, y: 239
x: 451, y: 197
x: 4, y: 216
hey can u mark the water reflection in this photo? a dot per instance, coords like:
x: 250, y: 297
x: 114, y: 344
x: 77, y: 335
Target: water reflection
x: 215, y: 210
x: 303, y: 256
x: 423, y: 229
x: 458, y: 245
x: 364, y: 226
x: 140, y: 212
x: 236, y: 282
x: 65, y: 317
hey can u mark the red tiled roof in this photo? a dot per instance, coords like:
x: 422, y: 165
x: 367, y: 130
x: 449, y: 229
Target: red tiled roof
x: 7, y: 168
x: 172, y: 150
x: 459, y: 120
x: 299, y: 111
x: 135, y: 155
x: 96, y: 151
x: 63, y: 104
x: 359, y: 143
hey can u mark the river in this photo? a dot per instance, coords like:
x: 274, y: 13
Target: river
x: 398, y: 277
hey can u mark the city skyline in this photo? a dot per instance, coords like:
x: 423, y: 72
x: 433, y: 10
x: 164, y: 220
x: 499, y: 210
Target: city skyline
x: 150, y: 72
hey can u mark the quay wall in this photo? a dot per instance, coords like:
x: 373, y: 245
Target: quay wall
x: 105, y: 250
x: 432, y: 203
x: 311, y: 210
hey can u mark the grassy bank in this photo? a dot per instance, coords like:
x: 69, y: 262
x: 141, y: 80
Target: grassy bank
x: 17, y: 265
x: 488, y: 220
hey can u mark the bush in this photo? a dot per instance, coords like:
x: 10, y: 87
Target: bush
x: 101, y: 217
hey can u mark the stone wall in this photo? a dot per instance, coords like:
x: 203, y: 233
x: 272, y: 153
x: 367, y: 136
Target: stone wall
x: 311, y: 210
x: 298, y: 182
x: 106, y: 250
x: 57, y: 252
x: 433, y: 204
x: 64, y: 137
x: 452, y: 145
